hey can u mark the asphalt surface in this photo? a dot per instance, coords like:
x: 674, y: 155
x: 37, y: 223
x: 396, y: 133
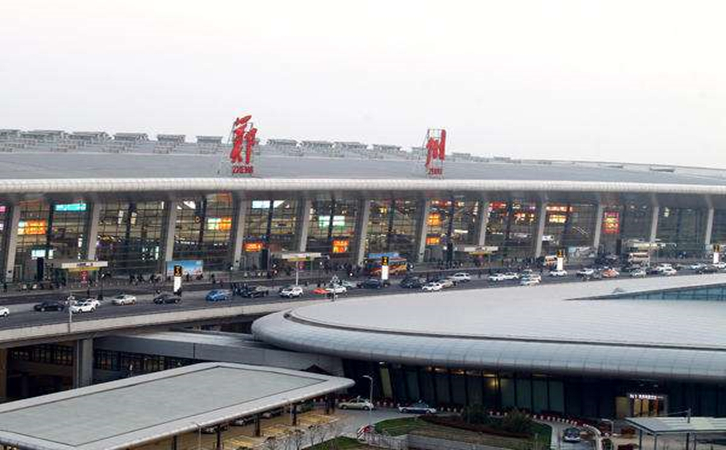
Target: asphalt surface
x: 23, y: 315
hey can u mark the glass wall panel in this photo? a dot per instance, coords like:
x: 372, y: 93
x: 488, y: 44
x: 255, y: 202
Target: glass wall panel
x: 568, y: 226
x: 681, y: 232
x: 392, y: 227
x: 506, y: 386
x: 474, y: 387
x: 629, y: 222
x: 539, y: 395
x: 511, y: 227
x: 524, y: 393
x: 203, y: 230
x: 332, y: 227
x: 270, y: 225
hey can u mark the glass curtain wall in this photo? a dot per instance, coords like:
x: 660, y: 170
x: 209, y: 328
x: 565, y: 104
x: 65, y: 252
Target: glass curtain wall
x: 681, y: 232
x: 332, y: 227
x: 511, y: 227
x: 624, y: 224
x: 269, y: 228
x: 570, y: 227
x: 392, y: 227
x: 203, y: 228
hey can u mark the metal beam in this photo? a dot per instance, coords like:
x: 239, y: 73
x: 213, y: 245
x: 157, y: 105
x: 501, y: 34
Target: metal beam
x: 361, y: 230
x: 83, y: 363
x: 539, y: 232
x: 237, y: 236
x: 170, y: 215
x: 302, y: 224
x: 597, y: 230
x: 91, y: 235
x: 422, y: 229
x: 11, y: 242
x: 482, y: 220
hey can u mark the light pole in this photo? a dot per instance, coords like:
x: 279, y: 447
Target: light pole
x: 370, y: 399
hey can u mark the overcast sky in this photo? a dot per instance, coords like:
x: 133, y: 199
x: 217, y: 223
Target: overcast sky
x: 627, y: 80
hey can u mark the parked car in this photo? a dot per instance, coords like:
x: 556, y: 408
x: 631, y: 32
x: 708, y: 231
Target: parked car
x: 638, y: 273
x: 255, y: 292
x: 720, y: 265
x: 558, y: 273
x: 669, y: 271
x: 372, y: 283
x: 242, y: 421
x: 166, y: 297
x: 83, y: 307
x: 707, y: 269
x: 412, y: 283
x: 446, y: 283
x: 530, y: 281
x: 218, y: 295
x: 433, y: 286
x: 50, y: 306
x: 291, y: 291
x: 610, y: 273
x: 124, y: 299
x: 273, y: 413
x: 571, y: 434
x: 4, y: 312
x: 697, y: 266
x: 586, y: 272
x: 348, y: 284
x: 213, y: 428
x: 357, y: 403
x: 417, y: 408
x: 335, y: 289
x: 497, y: 277
x: 460, y: 277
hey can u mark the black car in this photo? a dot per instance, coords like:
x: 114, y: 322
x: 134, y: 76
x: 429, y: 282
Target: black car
x: 707, y: 269
x: 254, y: 292
x: 166, y: 298
x: 50, y: 306
x: 372, y: 283
x: 412, y: 283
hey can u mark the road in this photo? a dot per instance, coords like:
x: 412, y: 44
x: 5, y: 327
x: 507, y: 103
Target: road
x: 23, y: 315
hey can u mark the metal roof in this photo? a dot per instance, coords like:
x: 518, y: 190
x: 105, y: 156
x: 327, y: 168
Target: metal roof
x: 678, y: 425
x: 138, y: 410
x: 541, y: 329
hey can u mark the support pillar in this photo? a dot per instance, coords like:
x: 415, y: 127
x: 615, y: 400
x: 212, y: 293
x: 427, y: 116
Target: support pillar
x: 91, y: 236
x: 539, y: 233
x: 361, y: 230
x: 258, y: 428
x: 294, y: 415
x: 654, y: 216
x: 302, y: 225
x: 11, y: 242
x: 709, y: 227
x: 597, y: 231
x: 82, y: 363
x: 175, y: 443
x: 3, y: 374
x: 169, y: 231
x: 219, y: 437
x: 237, y: 236
x: 422, y: 229
x: 482, y: 220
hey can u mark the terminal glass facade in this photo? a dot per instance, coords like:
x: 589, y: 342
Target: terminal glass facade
x: 512, y: 226
x: 203, y: 229
x: 332, y: 227
x: 392, y: 227
x: 682, y: 231
x: 570, y: 227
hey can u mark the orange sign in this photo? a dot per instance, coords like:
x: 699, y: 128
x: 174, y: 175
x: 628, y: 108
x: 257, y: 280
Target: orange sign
x: 32, y: 227
x: 340, y: 245
x: 434, y: 220
x: 433, y: 240
x: 252, y: 247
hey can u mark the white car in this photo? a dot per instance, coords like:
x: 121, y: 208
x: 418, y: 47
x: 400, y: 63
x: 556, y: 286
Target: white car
x: 291, y: 292
x: 4, y: 312
x: 498, y: 277
x: 460, y: 277
x: 432, y: 287
x: 83, y: 307
x: 357, y: 403
x: 587, y: 272
x: 348, y: 284
x: 336, y: 289
x: 668, y: 271
x: 638, y: 273
x: 697, y: 266
x: 720, y: 265
x: 445, y: 283
x: 558, y: 273
x: 529, y: 281
x: 124, y: 299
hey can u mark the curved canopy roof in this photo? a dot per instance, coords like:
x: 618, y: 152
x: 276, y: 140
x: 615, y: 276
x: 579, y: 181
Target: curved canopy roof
x: 542, y: 329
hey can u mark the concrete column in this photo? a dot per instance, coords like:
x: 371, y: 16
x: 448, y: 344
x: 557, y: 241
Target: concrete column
x: 422, y: 229
x: 654, y: 215
x: 597, y: 231
x: 482, y: 222
x: 709, y: 227
x: 218, y: 445
x: 302, y: 224
x: 294, y: 415
x: 237, y: 236
x: 91, y: 237
x: 3, y: 374
x: 11, y: 242
x: 82, y: 363
x: 539, y: 232
x: 258, y: 430
x: 174, y: 442
x: 361, y: 230
x: 169, y: 231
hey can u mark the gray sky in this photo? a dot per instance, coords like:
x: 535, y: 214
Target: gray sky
x: 628, y: 80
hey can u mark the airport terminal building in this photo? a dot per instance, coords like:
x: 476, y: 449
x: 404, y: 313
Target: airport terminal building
x: 69, y: 199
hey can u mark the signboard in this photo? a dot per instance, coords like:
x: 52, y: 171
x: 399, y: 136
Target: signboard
x: 243, y: 143
x: 299, y: 256
x: 435, y: 146
x: 70, y: 207
x: 611, y: 222
x: 433, y: 240
x: 254, y: 247
x: 716, y: 253
x: 338, y: 221
x: 219, y: 223
x: 634, y: 396
x: 477, y: 249
x: 381, y: 255
x: 178, y: 272
x: 32, y: 227
x: 40, y: 253
x: 81, y: 265
x: 191, y: 267
x: 434, y: 219
x: 340, y: 246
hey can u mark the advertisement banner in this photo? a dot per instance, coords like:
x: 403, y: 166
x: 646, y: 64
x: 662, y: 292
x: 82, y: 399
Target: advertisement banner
x: 190, y: 267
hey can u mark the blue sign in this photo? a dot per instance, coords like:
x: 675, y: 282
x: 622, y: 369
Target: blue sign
x: 71, y: 207
x: 190, y: 267
x: 380, y: 255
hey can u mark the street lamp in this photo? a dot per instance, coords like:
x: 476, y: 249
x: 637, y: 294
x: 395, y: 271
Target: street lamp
x: 370, y: 399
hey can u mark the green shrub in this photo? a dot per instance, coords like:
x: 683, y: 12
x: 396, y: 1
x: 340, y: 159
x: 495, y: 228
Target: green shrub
x: 517, y: 422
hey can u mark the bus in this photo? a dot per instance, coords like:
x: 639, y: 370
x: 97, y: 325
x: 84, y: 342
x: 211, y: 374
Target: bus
x: 396, y: 266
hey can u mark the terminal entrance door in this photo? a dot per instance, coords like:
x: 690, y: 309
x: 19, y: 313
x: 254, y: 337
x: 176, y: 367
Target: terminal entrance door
x: 641, y: 405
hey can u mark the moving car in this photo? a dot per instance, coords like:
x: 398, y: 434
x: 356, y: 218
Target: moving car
x: 571, y: 434
x: 255, y: 292
x: 4, y: 312
x: 446, y: 283
x: 433, y: 286
x: 558, y: 273
x: 530, y: 281
x: 707, y: 269
x: 497, y: 277
x: 460, y: 277
x: 638, y: 273
x: 166, y: 297
x: 218, y: 295
x: 668, y: 271
x: 335, y: 289
x: 347, y: 284
x: 586, y: 272
x: 291, y: 292
x: 357, y: 403
x: 50, y: 306
x: 83, y: 307
x: 123, y: 299
x: 412, y: 283
x: 697, y: 266
x: 610, y: 273
x: 372, y: 283
x: 417, y: 408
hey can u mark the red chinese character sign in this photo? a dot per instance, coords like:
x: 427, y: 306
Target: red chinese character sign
x: 243, y: 143
x: 435, y: 146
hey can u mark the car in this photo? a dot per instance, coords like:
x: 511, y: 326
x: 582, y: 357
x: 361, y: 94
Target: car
x: 357, y: 403
x: 336, y: 289
x: 586, y: 272
x: 255, y: 292
x: 610, y: 273
x: 558, y: 273
x: 497, y: 277
x: 720, y: 265
x: 707, y: 269
x: 243, y: 421
x: 212, y: 429
x: 432, y: 286
x: 460, y: 277
x: 83, y: 307
x: 123, y: 299
x: 530, y: 281
x: 273, y: 413
x: 347, y: 284
x: 571, y: 434
x: 668, y: 271
x: 218, y: 295
x: 50, y: 306
x: 412, y: 283
x: 372, y: 283
x: 511, y: 275
x: 637, y: 273
x: 4, y: 312
x: 697, y: 266
x: 446, y: 283
x: 166, y: 297
x: 417, y: 408
x: 291, y: 291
